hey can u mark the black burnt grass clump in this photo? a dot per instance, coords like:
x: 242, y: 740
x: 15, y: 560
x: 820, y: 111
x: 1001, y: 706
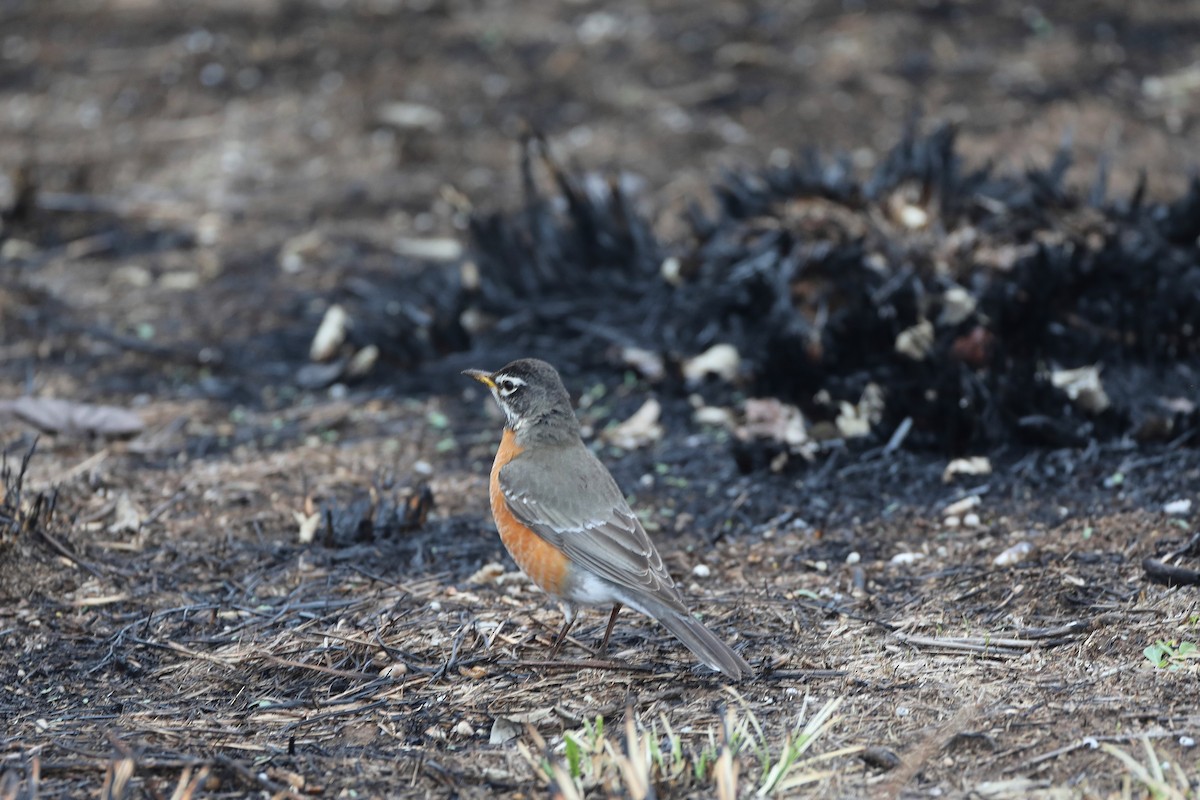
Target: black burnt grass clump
x: 958, y: 292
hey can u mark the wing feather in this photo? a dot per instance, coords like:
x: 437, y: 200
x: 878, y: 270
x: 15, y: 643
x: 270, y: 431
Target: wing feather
x: 568, y: 498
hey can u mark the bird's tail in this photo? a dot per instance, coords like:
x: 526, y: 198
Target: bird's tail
x: 705, y: 644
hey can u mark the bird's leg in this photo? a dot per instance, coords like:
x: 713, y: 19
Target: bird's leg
x: 569, y: 615
x: 612, y: 618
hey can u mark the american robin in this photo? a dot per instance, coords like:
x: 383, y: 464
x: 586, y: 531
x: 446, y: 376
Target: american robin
x: 567, y: 525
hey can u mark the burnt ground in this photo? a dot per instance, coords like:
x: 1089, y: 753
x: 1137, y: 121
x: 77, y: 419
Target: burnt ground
x: 186, y: 188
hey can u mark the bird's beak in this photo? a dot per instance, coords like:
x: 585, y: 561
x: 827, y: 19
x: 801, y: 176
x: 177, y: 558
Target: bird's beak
x: 482, y: 376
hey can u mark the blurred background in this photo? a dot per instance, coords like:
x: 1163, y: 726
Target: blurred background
x: 165, y: 167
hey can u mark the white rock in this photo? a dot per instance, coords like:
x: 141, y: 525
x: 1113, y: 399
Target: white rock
x: 701, y: 571
x: 971, y: 520
x: 907, y: 558
x: 1013, y: 555
x: 428, y: 249
x: 410, y: 116
x: 1178, y: 507
x: 330, y: 334
x: 913, y: 217
x: 671, y: 271
x: 960, y: 507
x: 957, y: 305
x: 393, y: 670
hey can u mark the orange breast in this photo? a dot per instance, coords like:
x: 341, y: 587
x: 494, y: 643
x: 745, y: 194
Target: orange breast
x: 545, y: 566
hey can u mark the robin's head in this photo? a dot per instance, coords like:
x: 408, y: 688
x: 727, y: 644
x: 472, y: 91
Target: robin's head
x: 532, y: 397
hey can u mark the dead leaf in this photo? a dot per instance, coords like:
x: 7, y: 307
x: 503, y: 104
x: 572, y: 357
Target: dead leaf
x: 504, y: 730
x: 957, y: 305
x: 647, y: 363
x: 916, y: 342
x: 977, y: 465
x: 639, y: 430
x: 65, y: 416
x: 127, y: 517
x: 767, y: 418
x: 488, y: 573
x: 721, y: 360
x: 308, y: 526
x: 854, y: 421
x: 510, y: 726
x: 1082, y: 386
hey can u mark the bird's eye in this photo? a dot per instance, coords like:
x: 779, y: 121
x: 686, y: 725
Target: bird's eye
x: 507, y: 386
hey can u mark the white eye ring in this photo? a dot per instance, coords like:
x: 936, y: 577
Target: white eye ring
x: 508, y: 385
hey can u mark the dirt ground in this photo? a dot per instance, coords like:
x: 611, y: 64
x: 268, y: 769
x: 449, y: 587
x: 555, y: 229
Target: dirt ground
x: 208, y: 174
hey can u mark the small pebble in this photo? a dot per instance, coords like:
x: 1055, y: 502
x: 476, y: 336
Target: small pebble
x: 971, y: 520
x: 393, y: 671
x: 701, y: 571
x: 853, y: 558
x: 951, y: 521
x: 330, y: 334
x: 1179, y: 507
x: 906, y: 558
x: 1013, y: 555
x: 958, y: 507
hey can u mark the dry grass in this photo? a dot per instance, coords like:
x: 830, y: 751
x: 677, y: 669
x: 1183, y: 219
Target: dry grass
x: 210, y: 642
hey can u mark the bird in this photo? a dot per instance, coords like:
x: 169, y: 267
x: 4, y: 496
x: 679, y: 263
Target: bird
x: 564, y: 520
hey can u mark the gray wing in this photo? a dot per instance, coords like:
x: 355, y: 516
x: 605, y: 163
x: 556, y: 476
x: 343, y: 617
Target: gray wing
x: 567, y: 497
